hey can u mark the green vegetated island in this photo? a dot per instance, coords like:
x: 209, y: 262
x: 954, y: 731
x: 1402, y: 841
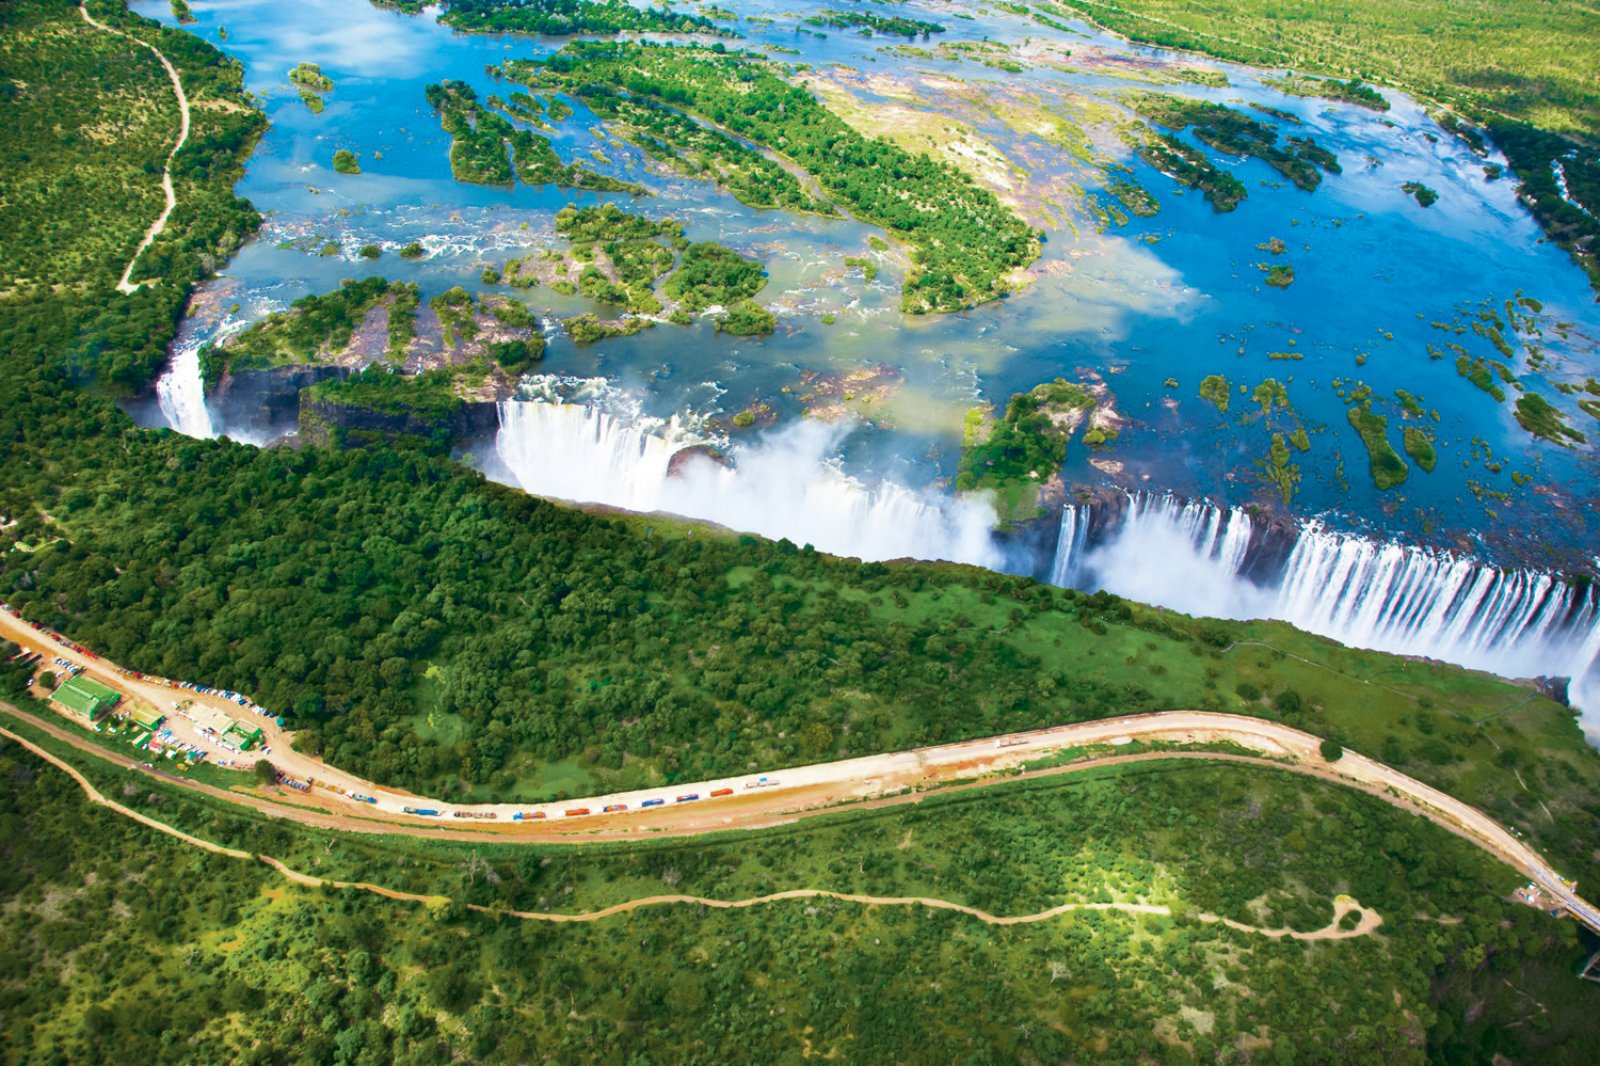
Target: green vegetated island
x: 1300, y: 159
x: 313, y: 85
x: 427, y: 627
x: 561, y: 18
x: 964, y: 243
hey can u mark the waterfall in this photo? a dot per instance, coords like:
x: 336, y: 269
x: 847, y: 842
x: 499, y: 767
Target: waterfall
x: 1193, y: 556
x: 1393, y: 597
x: 1069, y: 544
x: 786, y: 484
x: 180, y: 390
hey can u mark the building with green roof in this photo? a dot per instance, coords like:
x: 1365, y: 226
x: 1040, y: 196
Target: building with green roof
x: 148, y: 719
x: 86, y: 696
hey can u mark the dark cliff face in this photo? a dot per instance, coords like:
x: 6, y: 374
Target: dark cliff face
x: 265, y: 404
x: 321, y: 422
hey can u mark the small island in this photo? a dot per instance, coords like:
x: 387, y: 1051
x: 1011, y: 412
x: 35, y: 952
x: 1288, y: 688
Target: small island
x: 1424, y: 196
x: 308, y: 77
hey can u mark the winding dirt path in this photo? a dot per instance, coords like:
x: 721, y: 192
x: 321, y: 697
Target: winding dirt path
x: 749, y: 801
x: 127, y: 285
x: 1370, y: 919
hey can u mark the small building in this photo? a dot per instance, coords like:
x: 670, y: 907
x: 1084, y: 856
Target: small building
x: 147, y: 718
x: 86, y: 696
x: 210, y: 719
x: 245, y: 736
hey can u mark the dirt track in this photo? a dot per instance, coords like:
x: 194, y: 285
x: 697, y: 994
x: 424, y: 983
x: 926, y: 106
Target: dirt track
x: 1370, y: 920
x: 127, y: 285
x: 749, y: 801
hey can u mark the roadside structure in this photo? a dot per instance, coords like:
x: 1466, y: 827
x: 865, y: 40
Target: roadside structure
x: 85, y: 696
x: 147, y: 719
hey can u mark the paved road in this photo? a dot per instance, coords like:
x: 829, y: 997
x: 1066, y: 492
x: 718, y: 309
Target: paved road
x: 1369, y: 922
x: 754, y: 799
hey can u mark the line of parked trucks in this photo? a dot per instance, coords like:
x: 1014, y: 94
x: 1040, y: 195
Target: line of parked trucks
x: 579, y: 812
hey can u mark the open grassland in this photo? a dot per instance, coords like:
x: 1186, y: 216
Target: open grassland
x: 1524, y: 59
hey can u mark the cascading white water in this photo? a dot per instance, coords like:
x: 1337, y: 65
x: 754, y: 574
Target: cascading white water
x: 181, y: 391
x: 1190, y: 556
x: 786, y: 485
x: 1409, y: 600
x: 1069, y: 544
x: 1182, y: 554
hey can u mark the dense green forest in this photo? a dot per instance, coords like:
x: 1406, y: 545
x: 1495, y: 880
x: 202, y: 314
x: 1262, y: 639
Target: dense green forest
x: 313, y: 327
x: 1522, y: 69
x: 964, y: 241
x: 675, y: 139
x: 1013, y: 455
x: 215, y: 958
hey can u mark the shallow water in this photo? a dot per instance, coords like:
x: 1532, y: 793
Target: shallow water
x: 1174, y: 296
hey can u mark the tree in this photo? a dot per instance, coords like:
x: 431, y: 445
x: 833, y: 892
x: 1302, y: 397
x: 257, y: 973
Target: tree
x: 265, y: 771
x: 1332, y: 751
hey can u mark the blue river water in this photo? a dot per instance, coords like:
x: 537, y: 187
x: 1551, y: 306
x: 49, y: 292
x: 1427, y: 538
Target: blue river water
x: 1149, y: 308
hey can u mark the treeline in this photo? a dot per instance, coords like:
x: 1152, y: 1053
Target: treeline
x: 698, y: 151
x: 1238, y: 134
x: 965, y: 242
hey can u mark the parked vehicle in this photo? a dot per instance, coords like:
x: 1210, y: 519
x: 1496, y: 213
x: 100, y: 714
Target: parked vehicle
x: 613, y: 808
x: 721, y: 792
x: 687, y: 798
x: 576, y: 812
x: 652, y: 803
x: 423, y: 811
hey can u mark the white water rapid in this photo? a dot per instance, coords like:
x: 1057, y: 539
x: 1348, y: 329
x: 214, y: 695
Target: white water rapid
x: 181, y: 391
x: 1190, y: 555
x: 787, y: 484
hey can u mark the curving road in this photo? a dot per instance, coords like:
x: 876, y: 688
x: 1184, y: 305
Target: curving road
x: 753, y: 800
x: 127, y: 285
x: 1369, y: 921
